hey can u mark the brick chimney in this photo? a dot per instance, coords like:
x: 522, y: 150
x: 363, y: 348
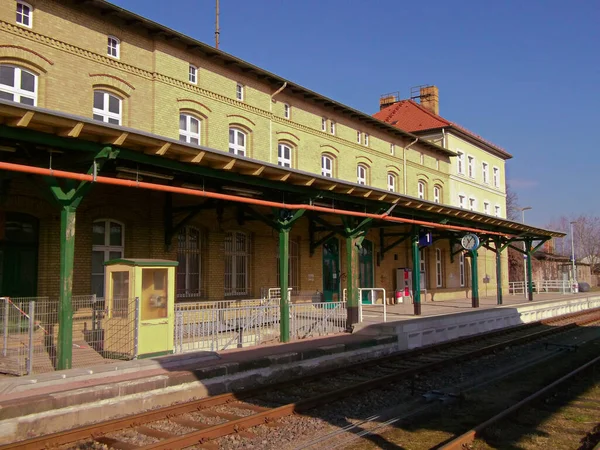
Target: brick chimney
x: 388, y: 99
x: 430, y: 99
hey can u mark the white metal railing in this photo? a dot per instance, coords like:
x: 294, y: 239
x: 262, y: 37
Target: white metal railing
x: 317, y: 319
x: 541, y: 286
x: 372, y: 299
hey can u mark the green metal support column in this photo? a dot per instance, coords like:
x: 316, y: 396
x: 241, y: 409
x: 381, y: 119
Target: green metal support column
x: 352, y: 269
x: 416, y: 274
x: 474, y: 280
x: 284, y: 305
x: 528, y: 251
x: 498, y: 274
x: 65, y: 307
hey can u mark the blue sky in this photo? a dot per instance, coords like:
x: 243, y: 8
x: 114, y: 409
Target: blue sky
x: 522, y: 74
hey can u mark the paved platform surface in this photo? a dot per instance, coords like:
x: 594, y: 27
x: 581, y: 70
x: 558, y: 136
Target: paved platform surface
x: 51, y: 391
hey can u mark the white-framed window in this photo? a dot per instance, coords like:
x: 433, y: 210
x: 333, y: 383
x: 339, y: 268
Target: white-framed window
x: 332, y: 127
x: 107, y: 107
x: 108, y: 242
x: 193, y: 74
x: 367, y: 139
x: 323, y: 124
x: 423, y: 268
x: 327, y: 166
x: 392, y: 149
x: 18, y: 85
x: 485, y: 172
x: 437, y: 194
x: 437, y: 164
x: 461, y: 269
x: 190, y: 246
x: 391, y: 182
x: 237, y: 258
x: 189, y: 129
x: 361, y: 174
x: 472, y: 203
x: 239, y: 92
x: 497, y: 210
x: 486, y: 207
x: 293, y: 266
x: 114, y: 47
x: 24, y: 14
x: 237, y: 142
x: 421, y: 189
x: 284, y: 155
x: 460, y: 161
x: 358, y: 137
x: 471, y: 166
x: 421, y: 158
x: 462, y: 201
x: 439, y: 276
x: 287, y: 111
x: 496, y: 177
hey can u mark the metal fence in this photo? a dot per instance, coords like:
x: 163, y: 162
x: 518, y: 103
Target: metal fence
x: 540, y: 287
x: 227, y: 324
x: 30, y: 332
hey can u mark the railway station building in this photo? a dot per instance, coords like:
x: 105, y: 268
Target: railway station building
x: 121, y: 138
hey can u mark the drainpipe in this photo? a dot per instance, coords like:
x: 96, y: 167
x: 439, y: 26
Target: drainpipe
x: 444, y: 137
x: 404, y: 163
x: 271, y: 120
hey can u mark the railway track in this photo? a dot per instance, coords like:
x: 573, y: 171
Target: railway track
x: 200, y: 421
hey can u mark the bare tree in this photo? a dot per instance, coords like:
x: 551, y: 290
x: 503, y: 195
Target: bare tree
x: 586, y: 237
x: 512, y: 204
x: 515, y: 258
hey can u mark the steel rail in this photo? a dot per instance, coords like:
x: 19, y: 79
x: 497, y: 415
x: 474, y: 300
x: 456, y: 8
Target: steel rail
x: 96, y: 430
x: 471, y: 435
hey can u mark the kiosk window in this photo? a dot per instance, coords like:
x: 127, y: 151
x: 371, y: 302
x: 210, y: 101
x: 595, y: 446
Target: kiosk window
x: 154, y: 294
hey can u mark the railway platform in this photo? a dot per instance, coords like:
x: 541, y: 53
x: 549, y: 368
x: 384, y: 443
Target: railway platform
x: 110, y: 390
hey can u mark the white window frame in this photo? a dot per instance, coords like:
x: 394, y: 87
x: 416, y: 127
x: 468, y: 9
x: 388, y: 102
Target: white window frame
x: 392, y: 149
x: 361, y: 178
x: 332, y: 127
x: 28, y: 15
x: 287, y: 111
x: 113, y: 49
x: 437, y: 191
x: 391, y: 182
x: 358, y: 137
x: 185, y: 252
x: 422, y: 159
x: 327, y: 171
x: 460, y: 160
x: 497, y: 210
x: 421, y: 190
x: 486, y: 207
x: 485, y: 172
x: 17, y: 92
x: 238, y: 260
x: 366, y: 135
x: 471, y: 166
x: 461, y: 269
x: 423, y: 268
x: 439, y: 275
x: 235, y: 147
x: 472, y: 203
x: 193, y: 74
x: 462, y: 201
x: 187, y: 134
x: 106, y: 248
x: 281, y: 159
x: 496, y: 176
x: 239, y: 92
x: 323, y: 124
x: 105, y: 113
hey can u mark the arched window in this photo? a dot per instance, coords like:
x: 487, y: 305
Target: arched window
x: 391, y: 182
x: 284, y: 155
x: 190, y: 244
x: 327, y: 166
x: 237, y: 259
x: 189, y: 129
x: 361, y: 174
x: 293, y: 266
x: 107, y: 107
x: 237, y: 142
x: 421, y: 189
x: 24, y: 14
x: 108, y: 242
x: 437, y: 194
x: 18, y: 85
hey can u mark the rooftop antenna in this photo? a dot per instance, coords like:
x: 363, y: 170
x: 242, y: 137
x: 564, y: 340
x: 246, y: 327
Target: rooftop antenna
x: 217, y: 31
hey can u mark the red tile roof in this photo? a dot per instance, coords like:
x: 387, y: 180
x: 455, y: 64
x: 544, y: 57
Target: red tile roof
x: 410, y: 116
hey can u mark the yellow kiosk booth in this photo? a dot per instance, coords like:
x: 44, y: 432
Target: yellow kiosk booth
x: 140, y: 293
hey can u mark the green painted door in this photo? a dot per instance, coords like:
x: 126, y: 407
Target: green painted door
x: 365, y: 274
x: 18, y: 256
x: 331, y: 270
